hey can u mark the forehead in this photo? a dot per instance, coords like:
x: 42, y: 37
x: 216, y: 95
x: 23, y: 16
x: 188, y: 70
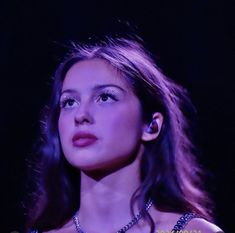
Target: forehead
x: 91, y: 72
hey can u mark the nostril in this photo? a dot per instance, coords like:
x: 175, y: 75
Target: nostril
x: 83, y: 118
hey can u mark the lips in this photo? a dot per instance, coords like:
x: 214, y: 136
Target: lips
x: 83, y: 139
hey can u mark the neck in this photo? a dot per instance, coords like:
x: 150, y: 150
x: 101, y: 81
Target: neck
x: 107, y: 200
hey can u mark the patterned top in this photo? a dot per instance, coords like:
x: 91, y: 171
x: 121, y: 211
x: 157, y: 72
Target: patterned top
x: 179, y: 226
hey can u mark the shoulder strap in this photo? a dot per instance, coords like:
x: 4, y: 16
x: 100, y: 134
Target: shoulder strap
x: 183, y: 221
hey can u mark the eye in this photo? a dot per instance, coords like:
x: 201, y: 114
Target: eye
x: 106, y: 97
x: 68, y: 103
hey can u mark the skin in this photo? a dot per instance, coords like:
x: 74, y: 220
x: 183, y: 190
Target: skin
x: 97, y: 101
x: 109, y: 166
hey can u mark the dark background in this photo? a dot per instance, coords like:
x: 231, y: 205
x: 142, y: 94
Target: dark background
x: 194, y: 43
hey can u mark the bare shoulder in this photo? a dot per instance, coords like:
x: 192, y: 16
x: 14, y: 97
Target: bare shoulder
x: 201, y: 225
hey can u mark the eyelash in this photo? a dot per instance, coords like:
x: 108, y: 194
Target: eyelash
x: 107, y: 94
x: 66, y: 100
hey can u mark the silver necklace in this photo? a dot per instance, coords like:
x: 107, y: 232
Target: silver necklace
x: 133, y: 221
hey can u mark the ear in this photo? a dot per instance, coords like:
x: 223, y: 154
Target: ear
x: 152, y: 130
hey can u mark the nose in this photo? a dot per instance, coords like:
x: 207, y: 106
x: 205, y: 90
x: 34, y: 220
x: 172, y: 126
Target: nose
x: 83, y: 115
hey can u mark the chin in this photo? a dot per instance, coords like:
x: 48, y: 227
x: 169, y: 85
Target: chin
x: 86, y: 161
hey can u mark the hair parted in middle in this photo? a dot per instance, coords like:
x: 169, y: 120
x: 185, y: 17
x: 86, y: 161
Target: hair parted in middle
x: 170, y: 174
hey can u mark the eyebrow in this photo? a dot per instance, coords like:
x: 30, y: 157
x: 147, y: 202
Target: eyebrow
x: 95, y: 88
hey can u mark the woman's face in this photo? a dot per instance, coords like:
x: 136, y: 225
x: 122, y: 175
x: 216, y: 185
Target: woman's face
x: 100, y: 122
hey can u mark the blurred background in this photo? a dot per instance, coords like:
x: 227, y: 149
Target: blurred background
x: 193, y: 42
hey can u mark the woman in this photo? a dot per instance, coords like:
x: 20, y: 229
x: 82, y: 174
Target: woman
x: 116, y: 152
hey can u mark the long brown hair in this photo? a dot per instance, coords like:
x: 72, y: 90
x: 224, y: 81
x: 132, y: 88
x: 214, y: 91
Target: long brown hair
x: 169, y: 170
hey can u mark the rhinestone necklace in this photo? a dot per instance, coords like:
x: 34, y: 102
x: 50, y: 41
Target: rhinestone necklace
x: 133, y: 221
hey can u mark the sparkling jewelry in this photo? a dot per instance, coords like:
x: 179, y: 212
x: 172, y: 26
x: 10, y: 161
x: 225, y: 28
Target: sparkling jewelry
x: 134, y: 220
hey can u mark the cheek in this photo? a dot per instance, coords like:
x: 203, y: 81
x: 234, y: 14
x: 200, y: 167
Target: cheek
x: 125, y: 122
x: 60, y: 125
x: 63, y: 127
